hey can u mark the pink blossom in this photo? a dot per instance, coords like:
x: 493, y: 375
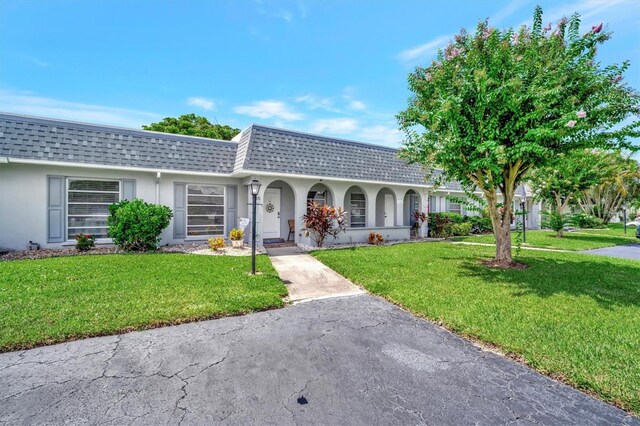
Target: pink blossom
x: 581, y: 114
x: 514, y: 39
x: 571, y: 123
x: 548, y: 27
x: 486, y: 33
x: 427, y: 76
x: 597, y: 28
x: 617, y: 78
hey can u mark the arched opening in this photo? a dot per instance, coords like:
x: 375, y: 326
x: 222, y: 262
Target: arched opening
x: 385, y: 208
x: 411, y: 204
x: 355, y: 203
x: 321, y: 194
x: 278, y: 212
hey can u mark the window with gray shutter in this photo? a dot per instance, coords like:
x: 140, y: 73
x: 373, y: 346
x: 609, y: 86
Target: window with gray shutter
x: 55, y: 209
x: 232, y: 211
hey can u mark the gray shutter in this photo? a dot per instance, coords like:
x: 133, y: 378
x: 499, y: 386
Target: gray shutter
x: 179, y: 211
x: 129, y: 189
x: 232, y: 209
x: 55, y: 209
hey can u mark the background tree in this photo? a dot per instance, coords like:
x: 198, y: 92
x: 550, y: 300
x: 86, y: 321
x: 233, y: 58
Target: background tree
x: 561, y: 180
x: 499, y: 103
x: 193, y: 125
x: 619, y: 185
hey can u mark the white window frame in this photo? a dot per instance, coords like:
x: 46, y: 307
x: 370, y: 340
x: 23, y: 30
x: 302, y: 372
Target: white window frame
x: 364, y: 208
x: 187, y: 215
x: 66, y: 201
x: 451, y: 211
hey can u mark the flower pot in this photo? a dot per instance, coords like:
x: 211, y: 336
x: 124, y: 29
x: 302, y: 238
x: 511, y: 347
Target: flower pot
x: 237, y: 243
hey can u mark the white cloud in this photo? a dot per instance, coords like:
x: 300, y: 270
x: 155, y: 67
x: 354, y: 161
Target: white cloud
x: 385, y: 135
x: 30, y: 104
x: 37, y: 61
x: 507, y: 11
x: 593, y: 11
x: 357, y: 105
x: 316, y: 102
x: 334, y: 125
x: 269, y: 109
x: 203, y: 103
x: 424, y: 50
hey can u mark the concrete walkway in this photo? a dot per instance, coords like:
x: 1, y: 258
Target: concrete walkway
x: 306, y: 278
x: 342, y: 361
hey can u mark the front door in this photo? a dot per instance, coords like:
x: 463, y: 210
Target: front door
x: 389, y: 210
x: 271, y: 213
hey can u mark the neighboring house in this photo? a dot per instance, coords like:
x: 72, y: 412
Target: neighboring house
x: 57, y: 179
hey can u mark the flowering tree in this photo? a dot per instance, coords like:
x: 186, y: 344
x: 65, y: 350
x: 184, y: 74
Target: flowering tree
x: 560, y: 181
x: 498, y: 103
x: 322, y: 221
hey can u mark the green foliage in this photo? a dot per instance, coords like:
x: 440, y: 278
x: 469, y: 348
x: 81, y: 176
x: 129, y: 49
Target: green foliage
x: 193, y: 125
x: 137, y: 225
x: 498, y: 103
x: 555, y: 221
x: 461, y: 229
x: 85, y: 242
x: 375, y: 239
x: 620, y: 185
x: 560, y: 181
x: 236, y: 234
x: 216, y: 243
x: 479, y: 224
x: 583, y: 220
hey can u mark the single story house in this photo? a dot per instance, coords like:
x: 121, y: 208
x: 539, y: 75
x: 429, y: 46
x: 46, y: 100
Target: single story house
x: 57, y: 179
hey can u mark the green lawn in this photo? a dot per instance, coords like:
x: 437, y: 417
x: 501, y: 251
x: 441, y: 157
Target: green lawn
x: 572, y: 315
x: 585, y: 239
x: 56, y: 299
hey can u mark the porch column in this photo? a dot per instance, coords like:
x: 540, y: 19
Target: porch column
x: 399, y: 217
x: 424, y: 207
x: 300, y: 208
x: 372, y: 196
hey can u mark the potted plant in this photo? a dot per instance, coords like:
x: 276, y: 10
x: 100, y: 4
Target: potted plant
x: 237, y: 238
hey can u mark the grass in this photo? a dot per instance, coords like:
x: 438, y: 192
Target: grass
x: 573, y: 316
x: 585, y: 239
x: 57, y: 299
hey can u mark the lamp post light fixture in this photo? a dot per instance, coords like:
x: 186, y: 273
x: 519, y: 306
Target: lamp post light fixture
x: 624, y: 218
x: 255, y: 189
x: 523, y: 206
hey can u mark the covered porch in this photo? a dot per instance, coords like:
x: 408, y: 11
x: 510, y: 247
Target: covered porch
x: 386, y: 209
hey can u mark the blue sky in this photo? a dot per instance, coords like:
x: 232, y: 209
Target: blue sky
x: 332, y: 67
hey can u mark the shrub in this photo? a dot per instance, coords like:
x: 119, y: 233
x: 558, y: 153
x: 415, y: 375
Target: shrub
x: 460, y: 229
x: 556, y: 221
x: 322, y: 221
x: 479, y: 224
x: 440, y: 224
x: 583, y: 220
x: 136, y: 225
x: 236, y: 234
x: 216, y: 243
x: 375, y: 238
x: 84, y: 242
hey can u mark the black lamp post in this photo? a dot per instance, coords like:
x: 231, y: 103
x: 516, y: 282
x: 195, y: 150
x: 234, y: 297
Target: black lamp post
x: 523, y: 206
x: 255, y: 189
x: 624, y: 218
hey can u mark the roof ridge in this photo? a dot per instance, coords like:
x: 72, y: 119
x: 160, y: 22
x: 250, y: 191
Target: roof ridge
x: 53, y: 121
x: 327, y: 138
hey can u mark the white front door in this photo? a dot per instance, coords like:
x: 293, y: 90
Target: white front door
x: 389, y: 210
x: 271, y: 213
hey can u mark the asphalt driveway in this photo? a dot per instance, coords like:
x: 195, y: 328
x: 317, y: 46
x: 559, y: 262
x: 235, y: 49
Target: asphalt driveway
x: 627, y: 251
x: 351, y: 360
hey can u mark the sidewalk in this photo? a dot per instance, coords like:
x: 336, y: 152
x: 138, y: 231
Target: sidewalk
x: 308, y: 279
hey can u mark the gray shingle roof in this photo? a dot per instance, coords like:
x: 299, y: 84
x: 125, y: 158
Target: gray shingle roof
x: 283, y: 151
x: 55, y: 140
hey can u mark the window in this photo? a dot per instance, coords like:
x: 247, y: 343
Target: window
x: 357, y: 210
x: 88, y: 206
x: 319, y: 197
x: 455, y: 208
x: 205, y: 210
x: 433, y: 207
x: 414, y: 204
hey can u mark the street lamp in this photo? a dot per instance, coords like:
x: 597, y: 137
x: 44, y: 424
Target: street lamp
x: 255, y: 189
x: 523, y: 205
x: 624, y: 218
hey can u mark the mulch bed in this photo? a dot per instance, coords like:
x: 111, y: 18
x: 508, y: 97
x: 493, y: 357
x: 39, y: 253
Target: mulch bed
x: 45, y: 253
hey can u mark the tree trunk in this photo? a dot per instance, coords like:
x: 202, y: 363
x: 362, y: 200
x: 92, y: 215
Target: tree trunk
x: 501, y: 230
